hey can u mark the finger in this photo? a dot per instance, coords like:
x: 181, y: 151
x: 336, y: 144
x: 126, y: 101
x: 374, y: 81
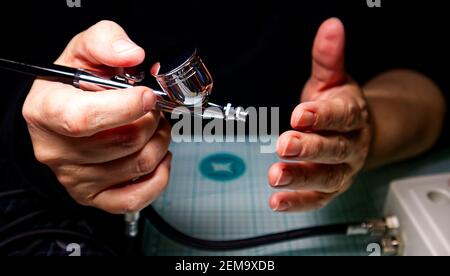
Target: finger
x: 105, y: 43
x: 343, y: 114
x: 75, y: 113
x: 328, y: 56
x: 100, y: 148
x: 119, y: 142
x: 139, y: 164
x: 98, y: 177
x: 309, y: 176
x: 135, y: 196
x: 312, y: 147
x: 299, y: 201
x: 154, y: 71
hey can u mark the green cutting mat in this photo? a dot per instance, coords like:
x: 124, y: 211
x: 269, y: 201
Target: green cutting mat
x: 208, y: 208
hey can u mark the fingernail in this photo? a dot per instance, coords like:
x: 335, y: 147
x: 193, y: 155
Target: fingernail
x: 148, y: 100
x: 292, y: 148
x: 284, y: 179
x: 283, y: 206
x: 155, y: 69
x: 306, y: 119
x: 124, y: 45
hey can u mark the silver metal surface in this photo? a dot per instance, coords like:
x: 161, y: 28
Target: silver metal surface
x: 392, y: 245
x: 376, y: 227
x: 189, y: 84
x: 131, y: 221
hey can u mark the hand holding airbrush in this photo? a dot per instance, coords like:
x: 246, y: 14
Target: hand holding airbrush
x: 189, y: 85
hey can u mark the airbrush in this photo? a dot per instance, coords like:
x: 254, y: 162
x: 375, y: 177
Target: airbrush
x: 189, y: 85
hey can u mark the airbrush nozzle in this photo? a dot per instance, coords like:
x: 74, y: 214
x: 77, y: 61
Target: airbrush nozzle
x: 227, y: 112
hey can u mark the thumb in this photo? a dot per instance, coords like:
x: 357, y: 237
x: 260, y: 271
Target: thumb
x: 105, y: 43
x: 328, y: 55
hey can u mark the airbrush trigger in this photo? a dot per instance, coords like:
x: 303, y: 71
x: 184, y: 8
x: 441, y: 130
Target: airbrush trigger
x: 130, y: 79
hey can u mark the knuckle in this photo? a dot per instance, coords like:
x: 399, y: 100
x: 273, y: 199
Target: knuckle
x: 318, y: 148
x: 69, y: 120
x: 66, y: 180
x: 339, y: 179
x: 352, y: 113
x: 29, y: 114
x: 313, y: 151
x: 41, y: 107
x: 68, y: 175
x: 144, y: 165
x: 342, y: 149
x: 71, y: 126
x: 78, y: 121
x: 53, y: 111
x: 327, y: 118
x: 45, y: 156
x: 332, y: 179
x: 79, y: 196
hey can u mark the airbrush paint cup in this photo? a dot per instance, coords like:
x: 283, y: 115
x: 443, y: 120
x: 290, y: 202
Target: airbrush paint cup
x: 189, y: 84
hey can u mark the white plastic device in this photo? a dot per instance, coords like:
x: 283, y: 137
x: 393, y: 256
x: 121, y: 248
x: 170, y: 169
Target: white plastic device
x: 422, y: 206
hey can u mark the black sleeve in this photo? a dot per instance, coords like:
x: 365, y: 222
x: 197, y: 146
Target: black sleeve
x: 22, y: 170
x: 16, y: 143
x: 34, y: 40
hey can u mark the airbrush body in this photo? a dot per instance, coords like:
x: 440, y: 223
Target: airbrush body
x: 189, y: 85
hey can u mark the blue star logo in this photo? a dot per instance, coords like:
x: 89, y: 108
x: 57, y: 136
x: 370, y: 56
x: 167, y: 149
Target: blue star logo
x: 222, y: 167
